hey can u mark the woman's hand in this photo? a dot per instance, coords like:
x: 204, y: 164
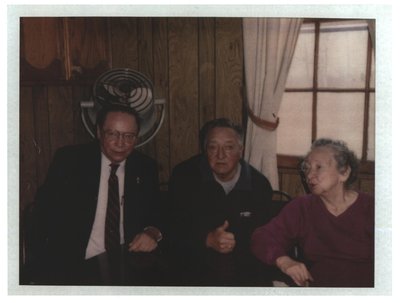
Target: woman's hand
x: 294, y: 269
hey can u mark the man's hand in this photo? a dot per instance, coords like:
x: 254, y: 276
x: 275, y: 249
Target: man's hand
x: 142, y: 243
x: 294, y: 269
x: 221, y: 240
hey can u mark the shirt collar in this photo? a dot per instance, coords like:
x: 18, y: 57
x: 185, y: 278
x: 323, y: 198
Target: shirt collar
x: 105, y: 162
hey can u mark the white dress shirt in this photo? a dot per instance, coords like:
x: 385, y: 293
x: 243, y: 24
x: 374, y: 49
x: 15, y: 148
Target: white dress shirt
x: 96, y: 244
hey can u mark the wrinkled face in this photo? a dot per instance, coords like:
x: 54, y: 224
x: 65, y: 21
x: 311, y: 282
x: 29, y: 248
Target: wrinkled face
x: 118, y: 136
x: 320, y: 169
x: 223, y: 152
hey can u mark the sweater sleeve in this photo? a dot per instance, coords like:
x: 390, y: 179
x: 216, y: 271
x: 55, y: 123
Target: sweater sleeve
x: 277, y: 237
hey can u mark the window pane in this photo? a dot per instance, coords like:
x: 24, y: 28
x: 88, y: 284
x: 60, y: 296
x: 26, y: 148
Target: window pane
x: 343, y: 54
x: 371, y: 129
x: 301, y: 68
x: 340, y: 116
x: 294, y: 130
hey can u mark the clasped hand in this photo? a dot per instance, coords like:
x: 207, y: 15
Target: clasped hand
x: 296, y: 270
x: 142, y: 243
x: 221, y: 240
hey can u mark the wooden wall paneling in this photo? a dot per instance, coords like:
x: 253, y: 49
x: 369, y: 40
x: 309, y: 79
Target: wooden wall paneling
x: 229, y: 68
x: 145, y: 64
x: 145, y: 47
x: 39, y: 41
x: 206, y: 70
x: 183, y: 88
x: 80, y: 92
x: 88, y: 46
x: 27, y: 149
x: 280, y: 177
x: 61, y: 118
x: 41, y: 129
x: 366, y: 184
x: 291, y: 183
x: 160, y: 57
x: 42, y: 49
x: 124, y: 42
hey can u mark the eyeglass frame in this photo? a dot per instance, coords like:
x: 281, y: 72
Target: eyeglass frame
x: 114, y: 135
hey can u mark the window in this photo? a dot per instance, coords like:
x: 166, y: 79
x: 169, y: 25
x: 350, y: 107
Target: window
x: 330, y: 90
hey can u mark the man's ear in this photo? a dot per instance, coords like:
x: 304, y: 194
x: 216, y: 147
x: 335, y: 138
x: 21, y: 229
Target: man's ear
x: 241, y: 149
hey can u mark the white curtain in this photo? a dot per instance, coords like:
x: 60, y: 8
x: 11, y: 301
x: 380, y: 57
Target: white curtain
x: 269, y: 44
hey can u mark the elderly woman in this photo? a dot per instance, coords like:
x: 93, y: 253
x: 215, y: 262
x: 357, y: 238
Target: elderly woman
x: 333, y: 226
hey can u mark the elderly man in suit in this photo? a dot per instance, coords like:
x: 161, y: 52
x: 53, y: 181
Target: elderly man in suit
x: 71, y: 217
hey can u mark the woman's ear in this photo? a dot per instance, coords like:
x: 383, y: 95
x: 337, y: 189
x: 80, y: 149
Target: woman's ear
x: 345, y: 173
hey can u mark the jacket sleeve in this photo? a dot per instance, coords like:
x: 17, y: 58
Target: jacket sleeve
x: 277, y: 237
x: 38, y: 225
x: 142, y: 206
x: 46, y: 199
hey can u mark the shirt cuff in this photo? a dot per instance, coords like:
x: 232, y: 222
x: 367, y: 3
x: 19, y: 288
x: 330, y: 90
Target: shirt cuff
x: 154, y: 233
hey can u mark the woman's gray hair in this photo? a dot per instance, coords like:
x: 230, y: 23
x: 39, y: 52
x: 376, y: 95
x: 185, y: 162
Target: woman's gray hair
x: 343, y: 155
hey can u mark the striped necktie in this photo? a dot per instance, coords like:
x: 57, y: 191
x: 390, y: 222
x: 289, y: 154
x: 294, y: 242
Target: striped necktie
x: 112, y: 234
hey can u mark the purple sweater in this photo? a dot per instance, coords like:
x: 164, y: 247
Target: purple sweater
x: 338, y: 251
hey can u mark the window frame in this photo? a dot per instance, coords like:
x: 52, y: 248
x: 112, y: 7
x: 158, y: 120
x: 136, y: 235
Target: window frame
x: 366, y: 166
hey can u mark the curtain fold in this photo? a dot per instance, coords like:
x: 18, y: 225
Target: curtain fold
x: 269, y: 45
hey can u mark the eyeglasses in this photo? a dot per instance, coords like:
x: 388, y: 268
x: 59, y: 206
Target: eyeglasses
x: 113, y: 135
x: 228, y: 149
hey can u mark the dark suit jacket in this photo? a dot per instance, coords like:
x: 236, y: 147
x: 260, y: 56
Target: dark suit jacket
x: 65, y: 205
